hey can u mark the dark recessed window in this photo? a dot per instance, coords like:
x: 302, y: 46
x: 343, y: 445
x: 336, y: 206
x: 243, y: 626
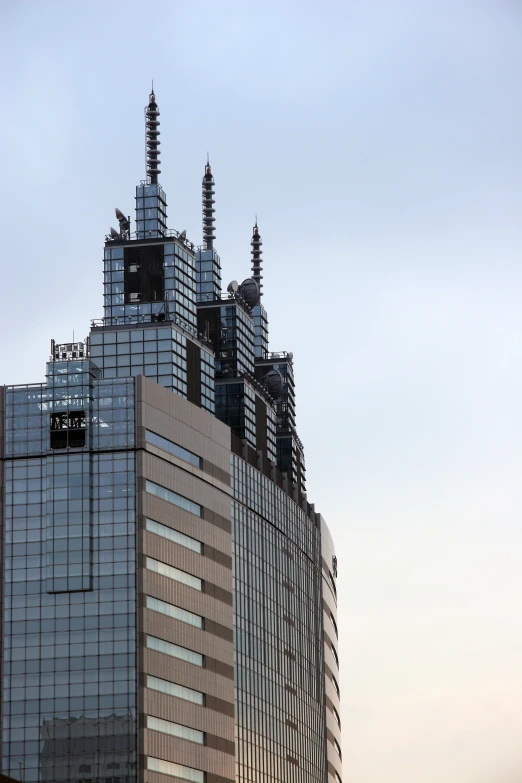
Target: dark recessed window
x: 143, y: 274
x: 68, y: 430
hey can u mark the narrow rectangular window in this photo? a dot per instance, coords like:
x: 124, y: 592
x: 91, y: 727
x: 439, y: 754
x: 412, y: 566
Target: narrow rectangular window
x: 173, y: 573
x: 174, y: 498
x: 175, y: 770
x: 175, y: 730
x: 336, y: 686
x: 173, y: 448
x: 174, y: 650
x: 173, y: 689
x: 173, y: 535
x: 176, y: 612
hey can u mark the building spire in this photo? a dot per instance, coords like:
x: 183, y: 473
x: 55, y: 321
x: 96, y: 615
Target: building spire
x: 207, y: 193
x: 151, y: 140
x: 256, y: 244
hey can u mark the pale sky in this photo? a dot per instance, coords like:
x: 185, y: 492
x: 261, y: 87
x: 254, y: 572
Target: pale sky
x: 379, y: 143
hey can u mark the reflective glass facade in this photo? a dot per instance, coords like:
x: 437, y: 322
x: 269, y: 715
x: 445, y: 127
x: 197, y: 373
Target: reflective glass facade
x: 208, y: 275
x: 169, y: 287
x: 280, y: 731
x: 69, y: 664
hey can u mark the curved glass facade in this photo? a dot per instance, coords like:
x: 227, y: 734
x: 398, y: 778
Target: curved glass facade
x: 279, y: 687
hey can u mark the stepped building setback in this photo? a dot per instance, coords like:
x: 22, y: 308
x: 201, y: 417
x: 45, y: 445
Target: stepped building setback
x: 168, y: 591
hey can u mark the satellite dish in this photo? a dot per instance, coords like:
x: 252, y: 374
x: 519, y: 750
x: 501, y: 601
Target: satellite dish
x: 120, y: 215
x: 232, y: 287
x: 183, y: 235
x: 249, y: 290
x: 114, y: 233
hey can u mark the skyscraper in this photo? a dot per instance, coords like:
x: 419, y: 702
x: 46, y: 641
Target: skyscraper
x: 169, y: 598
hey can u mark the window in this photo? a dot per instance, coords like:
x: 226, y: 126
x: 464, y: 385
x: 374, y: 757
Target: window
x: 336, y: 686
x: 175, y: 730
x: 68, y: 430
x: 334, y: 653
x: 173, y: 535
x: 173, y: 448
x: 338, y: 777
x: 336, y: 716
x: 332, y: 583
x: 174, y: 650
x: 173, y: 573
x: 332, y: 618
x: 174, y: 498
x: 175, y: 770
x: 173, y: 689
x: 338, y: 749
x: 174, y: 611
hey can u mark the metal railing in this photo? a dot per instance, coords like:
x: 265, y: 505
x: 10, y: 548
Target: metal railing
x: 168, y: 233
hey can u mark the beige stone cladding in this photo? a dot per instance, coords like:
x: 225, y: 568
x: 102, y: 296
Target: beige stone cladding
x: 206, y: 593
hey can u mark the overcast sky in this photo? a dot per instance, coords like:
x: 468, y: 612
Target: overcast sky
x: 379, y: 143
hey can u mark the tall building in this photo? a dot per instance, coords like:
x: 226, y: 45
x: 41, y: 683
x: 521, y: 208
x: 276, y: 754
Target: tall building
x: 168, y: 592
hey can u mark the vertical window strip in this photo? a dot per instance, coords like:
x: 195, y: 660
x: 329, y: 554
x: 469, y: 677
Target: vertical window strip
x: 336, y: 686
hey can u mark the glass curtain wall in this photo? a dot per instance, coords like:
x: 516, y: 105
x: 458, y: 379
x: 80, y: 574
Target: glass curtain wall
x: 279, y: 683
x: 69, y: 677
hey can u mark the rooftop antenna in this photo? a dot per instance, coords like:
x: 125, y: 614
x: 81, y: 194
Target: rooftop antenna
x: 207, y: 195
x: 151, y: 138
x: 256, y: 244
x: 124, y: 223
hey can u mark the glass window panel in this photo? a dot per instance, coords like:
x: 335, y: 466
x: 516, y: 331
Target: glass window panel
x: 174, y: 535
x: 174, y: 650
x: 175, y: 770
x: 174, y: 498
x: 173, y: 573
x: 173, y: 448
x: 173, y: 689
x: 175, y: 730
x: 176, y: 612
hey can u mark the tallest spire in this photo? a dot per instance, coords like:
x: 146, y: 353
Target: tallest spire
x: 152, y: 141
x: 208, y: 207
x: 257, y: 261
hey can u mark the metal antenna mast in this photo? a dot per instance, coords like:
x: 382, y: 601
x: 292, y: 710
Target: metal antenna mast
x: 256, y: 244
x: 207, y: 193
x: 151, y: 139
